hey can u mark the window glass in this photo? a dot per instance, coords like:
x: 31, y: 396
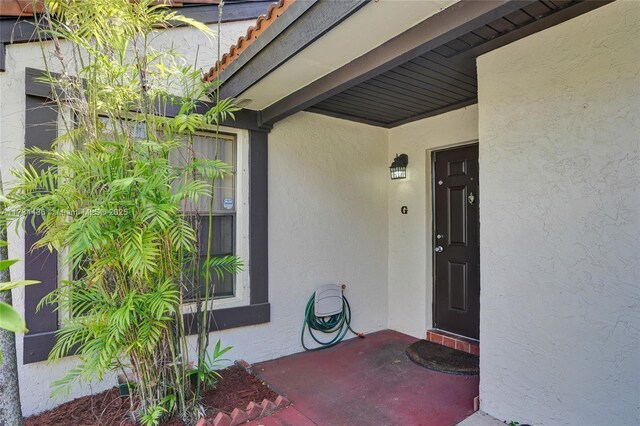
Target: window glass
x: 205, y: 146
x: 223, y: 211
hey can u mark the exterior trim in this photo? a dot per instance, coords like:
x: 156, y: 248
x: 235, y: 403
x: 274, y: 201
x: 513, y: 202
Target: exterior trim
x: 36, y: 347
x: 17, y: 31
x: 34, y: 87
x: 439, y: 111
x: 344, y: 116
x: 280, y: 24
x: 549, y: 21
x: 301, y: 24
x: 14, y: 31
x: 253, y: 32
x: 231, y: 12
x: 40, y: 130
x: 244, y: 119
x: 258, y: 218
x: 224, y: 319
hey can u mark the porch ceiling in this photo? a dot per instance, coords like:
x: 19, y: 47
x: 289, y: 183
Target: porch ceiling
x: 444, y: 78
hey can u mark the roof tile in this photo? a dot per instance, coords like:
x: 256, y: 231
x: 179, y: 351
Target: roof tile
x: 253, y: 32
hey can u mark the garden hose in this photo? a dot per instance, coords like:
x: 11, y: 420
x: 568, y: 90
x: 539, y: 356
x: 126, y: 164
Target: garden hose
x: 339, y: 323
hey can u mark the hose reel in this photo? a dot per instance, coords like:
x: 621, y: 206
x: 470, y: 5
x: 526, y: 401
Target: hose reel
x: 328, y: 311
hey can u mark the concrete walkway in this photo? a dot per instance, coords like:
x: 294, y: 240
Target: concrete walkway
x: 480, y: 419
x: 366, y: 382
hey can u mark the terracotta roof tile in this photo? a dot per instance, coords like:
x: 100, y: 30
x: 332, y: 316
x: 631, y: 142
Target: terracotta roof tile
x: 253, y: 32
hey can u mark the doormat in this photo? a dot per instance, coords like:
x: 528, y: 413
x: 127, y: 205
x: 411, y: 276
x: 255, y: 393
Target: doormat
x: 443, y: 359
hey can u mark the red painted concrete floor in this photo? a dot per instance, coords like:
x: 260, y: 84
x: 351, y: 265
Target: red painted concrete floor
x: 366, y: 382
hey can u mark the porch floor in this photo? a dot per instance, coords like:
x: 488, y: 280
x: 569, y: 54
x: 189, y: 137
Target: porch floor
x: 366, y: 382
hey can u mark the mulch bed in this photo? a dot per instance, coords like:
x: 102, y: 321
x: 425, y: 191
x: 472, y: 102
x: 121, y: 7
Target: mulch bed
x: 236, y: 389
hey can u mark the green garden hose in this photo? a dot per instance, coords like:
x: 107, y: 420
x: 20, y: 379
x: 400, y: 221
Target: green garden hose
x: 339, y: 323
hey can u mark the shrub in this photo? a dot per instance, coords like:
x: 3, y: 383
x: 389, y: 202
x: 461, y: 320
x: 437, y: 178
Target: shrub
x: 112, y: 199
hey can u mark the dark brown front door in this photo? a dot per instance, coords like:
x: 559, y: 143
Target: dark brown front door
x: 456, y: 243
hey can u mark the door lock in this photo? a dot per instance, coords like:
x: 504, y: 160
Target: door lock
x: 471, y: 198
x: 439, y: 249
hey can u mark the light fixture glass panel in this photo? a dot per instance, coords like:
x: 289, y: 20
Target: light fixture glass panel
x: 398, y: 172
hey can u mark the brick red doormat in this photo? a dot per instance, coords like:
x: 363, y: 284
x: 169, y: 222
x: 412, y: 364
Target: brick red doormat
x: 443, y: 359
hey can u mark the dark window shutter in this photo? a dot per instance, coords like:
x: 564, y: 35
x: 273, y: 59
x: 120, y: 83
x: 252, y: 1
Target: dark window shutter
x: 41, y: 129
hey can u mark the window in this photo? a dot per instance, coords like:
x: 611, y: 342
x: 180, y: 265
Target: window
x: 250, y: 303
x: 222, y: 209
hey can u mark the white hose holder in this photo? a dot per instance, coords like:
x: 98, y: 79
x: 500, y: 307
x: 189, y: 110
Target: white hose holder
x: 328, y: 300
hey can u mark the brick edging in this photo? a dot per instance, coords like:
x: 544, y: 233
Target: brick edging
x: 253, y: 410
x: 454, y: 342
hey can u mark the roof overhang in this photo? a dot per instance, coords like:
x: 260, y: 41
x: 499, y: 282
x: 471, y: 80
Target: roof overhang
x: 312, y: 39
x: 320, y: 52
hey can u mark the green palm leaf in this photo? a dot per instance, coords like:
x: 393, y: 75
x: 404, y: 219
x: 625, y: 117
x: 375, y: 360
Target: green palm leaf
x: 11, y: 320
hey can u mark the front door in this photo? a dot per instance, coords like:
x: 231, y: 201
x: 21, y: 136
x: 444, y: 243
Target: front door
x: 456, y: 242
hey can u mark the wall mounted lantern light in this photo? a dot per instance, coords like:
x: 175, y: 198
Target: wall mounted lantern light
x: 398, y: 168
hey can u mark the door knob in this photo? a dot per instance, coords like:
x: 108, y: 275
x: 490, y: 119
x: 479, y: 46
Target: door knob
x: 439, y: 249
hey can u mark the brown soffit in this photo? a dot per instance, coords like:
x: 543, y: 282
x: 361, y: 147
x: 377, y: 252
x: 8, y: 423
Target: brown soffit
x: 253, y: 32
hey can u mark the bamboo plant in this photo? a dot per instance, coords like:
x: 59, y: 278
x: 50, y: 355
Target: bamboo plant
x: 112, y: 201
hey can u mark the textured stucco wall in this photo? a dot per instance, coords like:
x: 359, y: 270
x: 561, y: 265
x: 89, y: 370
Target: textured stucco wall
x: 35, y: 379
x: 559, y: 122
x: 410, y: 261
x: 327, y: 224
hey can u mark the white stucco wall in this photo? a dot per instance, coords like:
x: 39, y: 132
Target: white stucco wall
x: 559, y: 122
x: 35, y: 379
x: 327, y: 224
x: 410, y: 235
